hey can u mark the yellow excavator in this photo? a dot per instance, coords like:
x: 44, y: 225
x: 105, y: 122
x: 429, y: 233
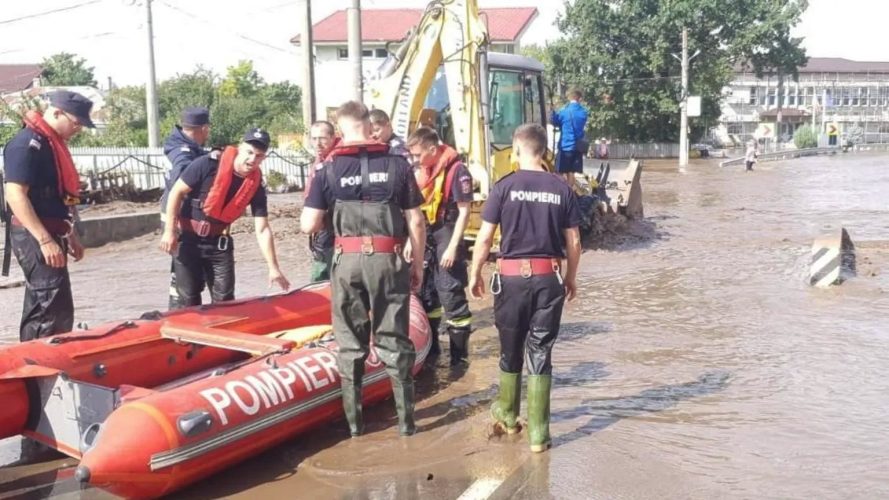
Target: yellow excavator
x: 442, y: 75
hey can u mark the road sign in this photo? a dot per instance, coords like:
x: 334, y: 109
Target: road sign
x: 694, y: 106
x: 833, y: 129
x: 765, y: 131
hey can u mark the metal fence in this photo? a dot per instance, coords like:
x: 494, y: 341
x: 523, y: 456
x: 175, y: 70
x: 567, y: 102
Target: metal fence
x: 147, y: 167
x: 641, y: 151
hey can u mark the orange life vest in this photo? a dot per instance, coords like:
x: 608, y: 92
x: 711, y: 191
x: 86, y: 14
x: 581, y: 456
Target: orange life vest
x: 69, y: 179
x: 343, y: 148
x: 214, y: 206
x: 436, y: 184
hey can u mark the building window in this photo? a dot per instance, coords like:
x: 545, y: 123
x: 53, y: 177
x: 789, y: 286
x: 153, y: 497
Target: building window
x: 791, y: 96
x: 752, y: 101
x: 343, y: 53
x: 773, y: 93
x: 735, y: 129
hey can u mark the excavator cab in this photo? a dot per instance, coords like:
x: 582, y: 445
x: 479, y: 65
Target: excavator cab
x: 516, y: 96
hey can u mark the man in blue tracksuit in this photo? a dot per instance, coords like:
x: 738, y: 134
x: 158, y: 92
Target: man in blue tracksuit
x: 184, y: 145
x: 571, y: 120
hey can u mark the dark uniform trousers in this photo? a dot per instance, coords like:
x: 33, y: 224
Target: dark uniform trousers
x: 202, y: 262
x: 48, y: 306
x: 444, y: 290
x: 527, y: 313
x: 321, y: 245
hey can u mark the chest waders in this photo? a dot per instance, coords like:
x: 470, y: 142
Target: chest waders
x: 370, y: 293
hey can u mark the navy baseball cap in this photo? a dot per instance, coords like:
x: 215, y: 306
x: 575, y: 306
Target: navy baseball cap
x: 258, y: 137
x: 74, y: 104
x: 195, y: 117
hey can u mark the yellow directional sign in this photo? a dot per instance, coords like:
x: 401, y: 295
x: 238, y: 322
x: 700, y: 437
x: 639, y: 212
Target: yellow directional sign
x: 833, y: 129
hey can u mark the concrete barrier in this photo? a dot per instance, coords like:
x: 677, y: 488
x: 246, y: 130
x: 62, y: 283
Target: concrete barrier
x: 95, y: 232
x: 783, y: 155
x: 833, y: 259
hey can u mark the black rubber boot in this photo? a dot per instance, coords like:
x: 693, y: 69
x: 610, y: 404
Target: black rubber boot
x: 434, y: 325
x: 352, y: 407
x: 403, y: 393
x: 459, y: 345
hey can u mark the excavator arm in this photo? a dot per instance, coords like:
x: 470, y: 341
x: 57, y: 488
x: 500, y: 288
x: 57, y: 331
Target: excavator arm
x: 451, y: 36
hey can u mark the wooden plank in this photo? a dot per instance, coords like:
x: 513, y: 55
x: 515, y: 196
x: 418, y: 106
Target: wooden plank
x: 256, y: 345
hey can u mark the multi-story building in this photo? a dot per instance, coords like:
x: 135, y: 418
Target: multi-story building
x: 850, y: 96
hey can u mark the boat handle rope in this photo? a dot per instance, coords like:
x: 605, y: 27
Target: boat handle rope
x: 111, y: 331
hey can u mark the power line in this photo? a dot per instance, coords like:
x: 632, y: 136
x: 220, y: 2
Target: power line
x: 85, y: 37
x: 239, y: 35
x: 48, y: 12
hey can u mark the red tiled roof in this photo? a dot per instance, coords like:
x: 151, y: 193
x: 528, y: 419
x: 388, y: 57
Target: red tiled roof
x: 390, y: 25
x: 17, y: 77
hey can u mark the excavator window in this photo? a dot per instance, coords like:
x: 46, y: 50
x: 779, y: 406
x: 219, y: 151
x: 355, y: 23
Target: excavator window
x: 507, y: 105
x: 533, y: 109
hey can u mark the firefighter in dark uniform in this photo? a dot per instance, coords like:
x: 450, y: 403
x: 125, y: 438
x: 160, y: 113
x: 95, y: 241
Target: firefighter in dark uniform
x: 216, y: 190
x: 183, y: 146
x: 42, y: 187
x: 375, y: 203
x: 447, y: 190
x: 538, y: 218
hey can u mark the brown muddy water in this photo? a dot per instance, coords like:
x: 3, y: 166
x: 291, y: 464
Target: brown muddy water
x: 696, y: 362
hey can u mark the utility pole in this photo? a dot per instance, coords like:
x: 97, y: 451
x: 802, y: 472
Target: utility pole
x: 683, y: 105
x: 308, y: 57
x: 354, y: 26
x: 151, y: 86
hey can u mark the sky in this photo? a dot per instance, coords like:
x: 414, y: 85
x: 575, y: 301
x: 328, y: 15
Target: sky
x: 216, y: 34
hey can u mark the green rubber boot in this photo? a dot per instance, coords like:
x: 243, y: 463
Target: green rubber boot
x: 538, y: 411
x: 505, y: 409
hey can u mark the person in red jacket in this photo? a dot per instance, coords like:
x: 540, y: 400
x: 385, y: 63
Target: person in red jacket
x: 216, y: 189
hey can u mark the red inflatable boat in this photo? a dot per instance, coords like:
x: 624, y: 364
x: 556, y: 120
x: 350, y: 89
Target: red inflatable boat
x: 152, y: 405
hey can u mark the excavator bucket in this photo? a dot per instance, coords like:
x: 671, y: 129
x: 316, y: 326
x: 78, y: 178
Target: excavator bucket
x: 626, y: 193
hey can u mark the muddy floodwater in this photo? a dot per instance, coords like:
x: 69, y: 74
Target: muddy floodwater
x: 695, y: 363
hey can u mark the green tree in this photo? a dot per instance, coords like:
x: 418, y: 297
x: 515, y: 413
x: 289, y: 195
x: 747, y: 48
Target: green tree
x: 780, y: 55
x: 127, y: 124
x: 239, y: 101
x: 805, y: 137
x: 197, y: 88
x: 67, y: 69
x: 619, y: 52
x: 241, y: 80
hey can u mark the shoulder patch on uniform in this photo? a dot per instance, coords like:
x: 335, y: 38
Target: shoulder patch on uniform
x: 185, y: 149
x: 35, y: 144
x: 466, y: 184
x: 319, y: 166
x: 215, y: 154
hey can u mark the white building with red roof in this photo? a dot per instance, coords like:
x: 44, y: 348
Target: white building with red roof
x: 379, y: 27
